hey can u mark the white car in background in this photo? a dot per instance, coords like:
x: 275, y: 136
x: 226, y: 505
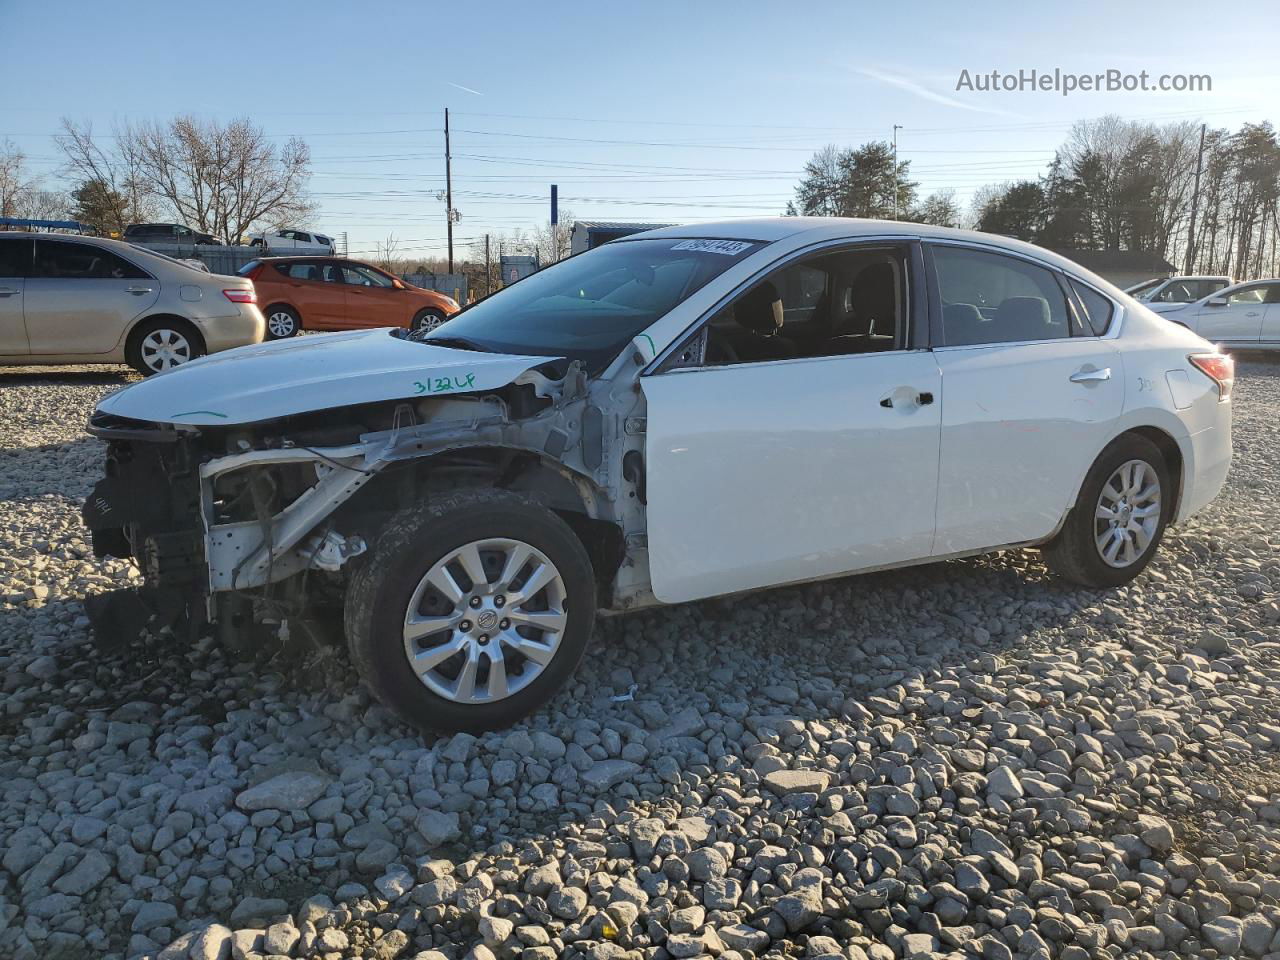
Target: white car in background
x: 685, y: 413
x: 1178, y: 289
x: 1245, y: 316
x: 293, y: 241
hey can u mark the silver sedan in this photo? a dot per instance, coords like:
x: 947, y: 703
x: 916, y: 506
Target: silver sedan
x: 70, y: 299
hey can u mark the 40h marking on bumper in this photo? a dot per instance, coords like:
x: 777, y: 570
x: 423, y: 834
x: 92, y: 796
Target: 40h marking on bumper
x: 441, y: 384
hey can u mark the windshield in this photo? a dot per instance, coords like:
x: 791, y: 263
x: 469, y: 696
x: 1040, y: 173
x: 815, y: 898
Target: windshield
x: 590, y: 306
x: 1144, y: 290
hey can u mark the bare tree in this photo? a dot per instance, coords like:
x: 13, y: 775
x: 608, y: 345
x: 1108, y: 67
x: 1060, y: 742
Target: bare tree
x: 385, y: 252
x: 127, y: 198
x: 553, y: 242
x: 14, y: 184
x: 223, y: 179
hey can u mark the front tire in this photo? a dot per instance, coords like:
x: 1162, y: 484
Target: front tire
x: 1119, y: 517
x: 470, y: 612
x: 162, y: 344
x: 282, y: 322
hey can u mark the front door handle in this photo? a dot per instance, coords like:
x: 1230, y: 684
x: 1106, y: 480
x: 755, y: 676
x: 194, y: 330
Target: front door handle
x: 1091, y: 376
x: 8, y: 292
x: 906, y: 397
x: 137, y: 291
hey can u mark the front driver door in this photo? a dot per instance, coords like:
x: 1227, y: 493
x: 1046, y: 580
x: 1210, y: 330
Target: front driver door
x: 1239, y: 321
x: 372, y: 299
x: 772, y: 471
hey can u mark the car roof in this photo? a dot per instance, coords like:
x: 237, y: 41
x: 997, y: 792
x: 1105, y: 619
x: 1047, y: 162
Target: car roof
x: 818, y: 229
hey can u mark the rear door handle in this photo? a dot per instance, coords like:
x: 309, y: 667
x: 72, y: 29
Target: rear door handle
x: 137, y: 291
x: 1091, y: 376
x: 8, y: 292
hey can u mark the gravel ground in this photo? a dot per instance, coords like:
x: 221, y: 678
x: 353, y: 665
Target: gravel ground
x: 968, y: 759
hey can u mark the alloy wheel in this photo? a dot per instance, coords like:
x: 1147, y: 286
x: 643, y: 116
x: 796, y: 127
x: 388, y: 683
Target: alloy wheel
x: 280, y: 324
x: 164, y: 349
x: 1127, y: 516
x: 485, y: 621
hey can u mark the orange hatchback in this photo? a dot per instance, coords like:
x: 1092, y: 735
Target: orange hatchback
x: 332, y: 293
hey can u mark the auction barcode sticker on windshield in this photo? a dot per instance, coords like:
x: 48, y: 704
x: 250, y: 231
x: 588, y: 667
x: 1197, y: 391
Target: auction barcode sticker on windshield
x: 730, y: 248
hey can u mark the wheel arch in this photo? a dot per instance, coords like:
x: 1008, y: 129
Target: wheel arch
x: 1173, y: 459
x: 274, y: 304
x: 131, y: 335
x: 574, y: 497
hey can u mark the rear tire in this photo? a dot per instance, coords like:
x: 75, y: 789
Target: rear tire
x: 282, y: 322
x: 473, y: 543
x: 162, y: 344
x: 1119, y: 517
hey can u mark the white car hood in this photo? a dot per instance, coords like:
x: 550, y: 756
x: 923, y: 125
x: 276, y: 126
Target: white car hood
x: 309, y: 373
x: 1166, y: 307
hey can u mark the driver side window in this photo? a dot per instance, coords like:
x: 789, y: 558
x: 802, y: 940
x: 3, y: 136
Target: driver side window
x: 830, y: 304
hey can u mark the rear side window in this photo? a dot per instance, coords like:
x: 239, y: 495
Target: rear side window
x: 15, y: 257
x: 1097, y: 308
x: 991, y: 298
x: 60, y: 260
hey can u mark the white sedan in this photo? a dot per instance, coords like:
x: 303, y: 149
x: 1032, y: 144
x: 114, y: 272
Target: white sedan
x: 1246, y: 315
x: 685, y: 413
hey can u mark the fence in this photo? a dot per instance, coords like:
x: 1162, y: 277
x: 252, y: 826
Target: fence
x: 218, y: 259
x: 450, y: 284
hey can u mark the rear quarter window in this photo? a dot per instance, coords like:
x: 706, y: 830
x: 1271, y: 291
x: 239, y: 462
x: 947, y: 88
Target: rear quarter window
x: 1097, y: 308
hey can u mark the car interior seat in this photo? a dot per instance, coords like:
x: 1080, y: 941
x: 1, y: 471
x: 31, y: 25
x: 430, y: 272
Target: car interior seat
x: 759, y: 316
x: 1023, y: 318
x: 962, y: 323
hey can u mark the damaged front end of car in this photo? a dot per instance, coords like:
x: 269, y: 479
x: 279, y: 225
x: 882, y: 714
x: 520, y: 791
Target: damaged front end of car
x: 247, y: 527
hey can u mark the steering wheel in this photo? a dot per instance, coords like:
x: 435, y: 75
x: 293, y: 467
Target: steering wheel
x: 721, y: 351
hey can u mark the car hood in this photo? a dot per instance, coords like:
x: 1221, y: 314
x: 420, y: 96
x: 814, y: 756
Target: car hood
x: 1166, y: 307
x: 309, y: 373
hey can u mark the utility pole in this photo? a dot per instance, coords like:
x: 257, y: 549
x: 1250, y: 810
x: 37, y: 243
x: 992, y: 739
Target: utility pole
x: 488, y: 271
x: 448, y: 187
x: 896, y: 185
x: 1195, y: 203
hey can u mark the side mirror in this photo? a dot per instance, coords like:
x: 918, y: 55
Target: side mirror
x: 1217, y: 302
x: 398, y: 284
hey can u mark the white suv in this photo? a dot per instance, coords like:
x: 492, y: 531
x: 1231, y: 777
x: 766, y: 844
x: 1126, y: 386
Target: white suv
x: 295, y: 241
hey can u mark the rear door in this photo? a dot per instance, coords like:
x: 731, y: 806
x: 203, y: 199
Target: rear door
x: 1238, y: 321
x: 15, y: 264
x: 81, y: 298
x: 316, y: 291
x: 1029, y: 393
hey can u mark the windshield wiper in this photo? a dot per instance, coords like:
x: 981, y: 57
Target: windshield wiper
x: 460, y: 343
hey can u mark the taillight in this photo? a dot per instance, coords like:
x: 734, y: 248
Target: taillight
x: 1219, y: 368
x: 241, y: 295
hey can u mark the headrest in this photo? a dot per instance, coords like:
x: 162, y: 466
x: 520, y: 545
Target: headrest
x: 1026, y: 312
x: 760, y: 310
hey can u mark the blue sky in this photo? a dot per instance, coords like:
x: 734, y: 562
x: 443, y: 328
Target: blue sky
x: 645, y: 111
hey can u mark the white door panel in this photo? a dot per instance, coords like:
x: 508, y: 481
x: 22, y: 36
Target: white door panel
x: 1018, y: 434
x: 1235, y: 323
x: 769, y: 473
x: 1270, y: 324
